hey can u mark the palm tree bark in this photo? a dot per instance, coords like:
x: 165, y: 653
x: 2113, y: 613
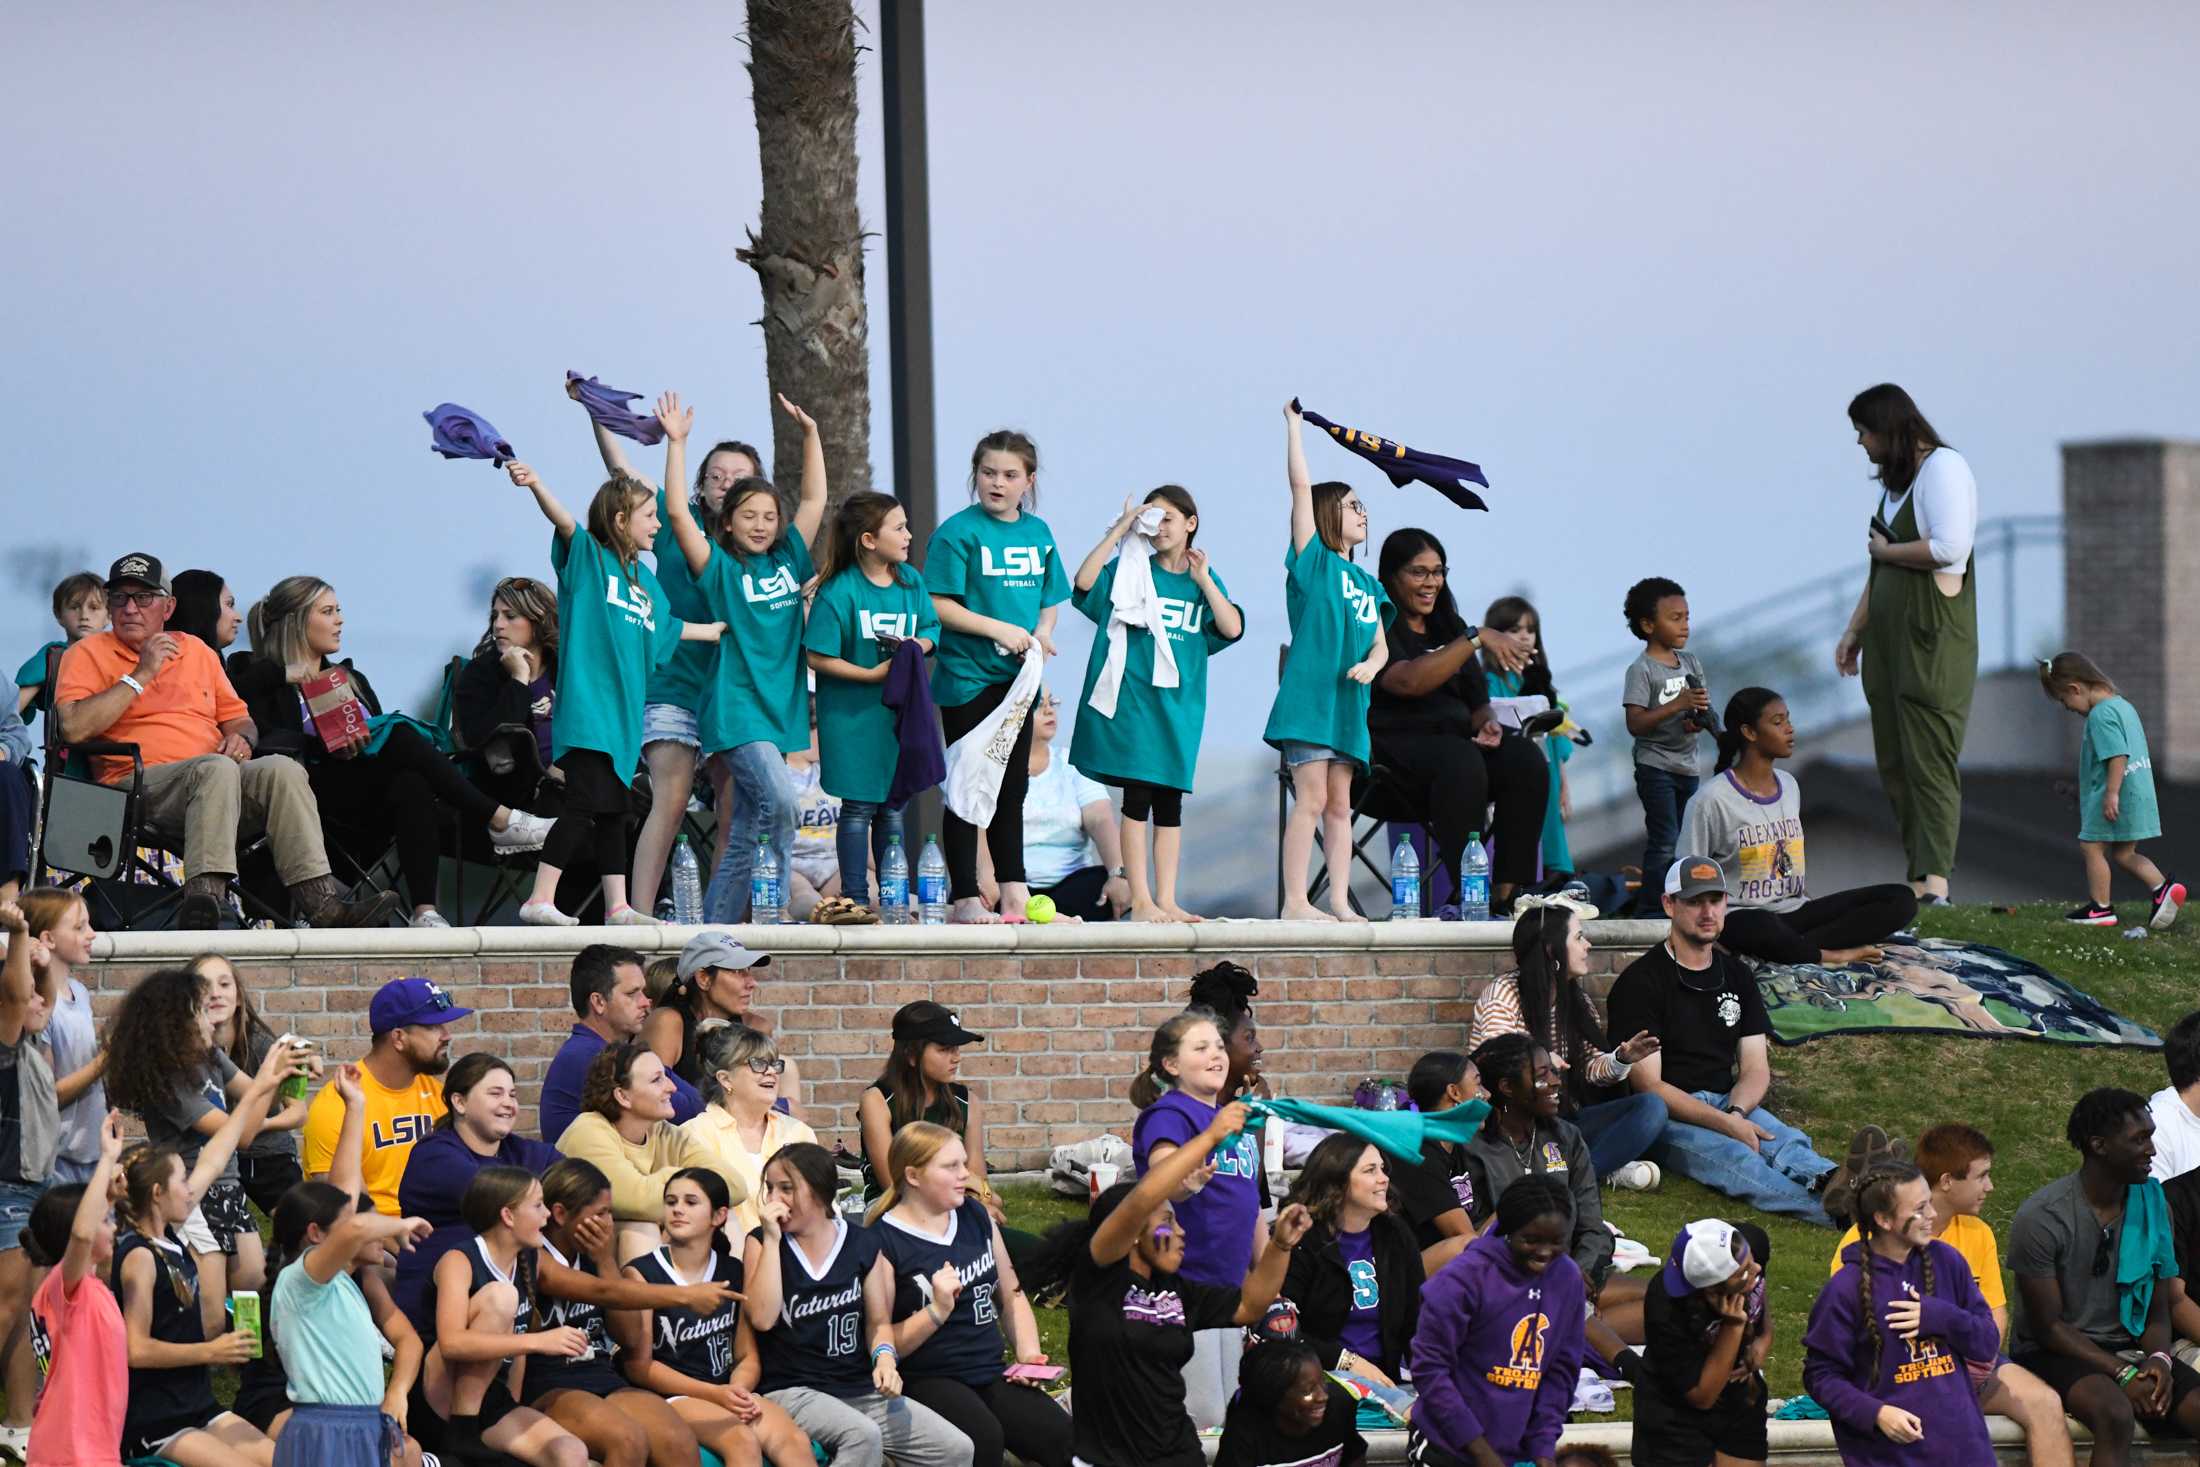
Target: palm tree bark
x: 807, y: 250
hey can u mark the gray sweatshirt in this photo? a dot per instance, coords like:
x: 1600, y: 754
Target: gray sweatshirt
x: 1758, y: 842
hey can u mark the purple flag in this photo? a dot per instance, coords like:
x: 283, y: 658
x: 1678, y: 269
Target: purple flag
x: 464, y: 433
x: 1403, y: 465
x: 608, y: 406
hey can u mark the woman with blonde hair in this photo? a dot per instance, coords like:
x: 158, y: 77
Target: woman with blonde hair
x: 394, y: 782
x: 742, y: 1124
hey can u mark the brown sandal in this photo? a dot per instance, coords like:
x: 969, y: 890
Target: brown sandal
x: 843, y: 911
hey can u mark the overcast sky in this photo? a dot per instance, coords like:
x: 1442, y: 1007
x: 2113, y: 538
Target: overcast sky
x: 1633, y: 259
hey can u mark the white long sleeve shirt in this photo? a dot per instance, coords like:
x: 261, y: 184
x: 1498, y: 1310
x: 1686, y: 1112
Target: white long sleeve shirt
x: 1947, y: 507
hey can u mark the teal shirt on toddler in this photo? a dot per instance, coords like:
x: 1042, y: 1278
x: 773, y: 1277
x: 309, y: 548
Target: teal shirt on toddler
x: 614, y: 630
x: 761, y: 691
x: 1337, y: 610
x: 857, y: 745
x: 1154, y: 736
x: 2113, y: 728
x: 1007, y: 570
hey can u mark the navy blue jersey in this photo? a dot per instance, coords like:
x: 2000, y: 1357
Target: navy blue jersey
x: 968, y: 1347
x: 817, y: 1340
x: 594, y: 1371
x: 699, y: 1346
x: 164, y: 1402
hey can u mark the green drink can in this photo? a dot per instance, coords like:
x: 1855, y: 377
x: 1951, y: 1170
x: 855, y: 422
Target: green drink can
x: 295, y: 1086
x: 244, y: 1316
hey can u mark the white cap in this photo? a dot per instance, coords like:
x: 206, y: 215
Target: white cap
x: 1703, y: 1255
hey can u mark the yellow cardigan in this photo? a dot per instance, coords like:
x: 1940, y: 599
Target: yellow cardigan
x: 638, y: 1173
x: 715, y: 1129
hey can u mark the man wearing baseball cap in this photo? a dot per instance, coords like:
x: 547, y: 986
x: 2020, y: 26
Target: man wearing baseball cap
x: 138, y: 683
x: 1713, y: 1067
x: 410, y: 1020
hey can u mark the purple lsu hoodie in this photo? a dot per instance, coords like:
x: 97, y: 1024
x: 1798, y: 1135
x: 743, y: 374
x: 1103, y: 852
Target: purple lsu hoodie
x: 1497, y: 1352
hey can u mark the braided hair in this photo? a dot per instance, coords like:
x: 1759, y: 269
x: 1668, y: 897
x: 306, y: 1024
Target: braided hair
x: 1874, y: 1195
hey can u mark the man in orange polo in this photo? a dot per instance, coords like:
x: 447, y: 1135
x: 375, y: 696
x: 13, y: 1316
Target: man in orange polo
x: 166, y: 692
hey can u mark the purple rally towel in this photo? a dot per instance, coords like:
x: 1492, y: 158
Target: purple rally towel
x: 923, y: 760
x: 463, y: 433
x: 608, y: 406
x: 1403, y: 465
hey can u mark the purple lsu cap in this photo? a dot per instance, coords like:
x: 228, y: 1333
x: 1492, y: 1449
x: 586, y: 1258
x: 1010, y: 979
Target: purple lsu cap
x: 403, y: 1001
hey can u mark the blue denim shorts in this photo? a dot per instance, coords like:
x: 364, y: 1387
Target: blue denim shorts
x: 669, y: 723
x: 16, y: 1202
x: 1296, y: 753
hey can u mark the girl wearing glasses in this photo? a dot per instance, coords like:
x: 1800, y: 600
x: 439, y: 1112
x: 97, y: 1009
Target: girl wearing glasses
x: 1319, y: 722
x: 742, y: 1125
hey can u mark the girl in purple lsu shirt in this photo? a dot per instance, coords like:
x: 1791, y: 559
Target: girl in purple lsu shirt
x: 1890, y: 1335
x: 1218, y: 1204
x: 1500, y: 1339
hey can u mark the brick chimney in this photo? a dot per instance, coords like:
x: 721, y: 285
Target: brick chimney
x: 2131, y: 582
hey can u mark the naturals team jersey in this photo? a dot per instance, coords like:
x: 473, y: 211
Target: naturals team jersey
x: 614, y: 629
x: 857, y: 745
x: 1925, y: 1375
x: 1337, y: 610
x: 681, y: 678
x: 593, y: 1373
x: 760, y: 693
x: 177, y: 1398
x: 818, y: 1340
x: 1154, y: 736
x: 1009, y: 570
x: 1497, y: 1352
x: 1218, y: 1220
x: 968, y: 1347
x: 699, y: 1346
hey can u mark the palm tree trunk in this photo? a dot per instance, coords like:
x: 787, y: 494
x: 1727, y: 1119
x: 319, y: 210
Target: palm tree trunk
x: 808, y: 249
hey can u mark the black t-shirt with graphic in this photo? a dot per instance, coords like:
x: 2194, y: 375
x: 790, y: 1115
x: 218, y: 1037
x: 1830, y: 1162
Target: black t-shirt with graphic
x: 1700, y: 1018
x: 1435, y: 1185
x: 1129, y: 1341
x: 1251, y: 1438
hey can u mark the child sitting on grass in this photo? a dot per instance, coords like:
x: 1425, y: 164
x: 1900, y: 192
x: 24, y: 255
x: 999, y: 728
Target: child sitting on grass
x: 2116, y: 803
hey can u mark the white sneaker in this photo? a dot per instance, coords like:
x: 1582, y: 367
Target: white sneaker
x: 521, y: 832
x: 427, y: 919
x: 15, y: 1441
x: 1636, y: 1176
x: 545, y: 914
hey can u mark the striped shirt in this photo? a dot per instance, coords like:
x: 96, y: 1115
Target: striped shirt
x: 1497, y: 1012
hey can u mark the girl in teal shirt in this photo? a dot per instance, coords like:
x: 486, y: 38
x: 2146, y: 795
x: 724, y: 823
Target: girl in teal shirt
x: 615, y: 629
x: 868, y: 602
x: 756, y: 708
x: 1151, y: 744
x: 996, y: 580
x: 1319, y: 722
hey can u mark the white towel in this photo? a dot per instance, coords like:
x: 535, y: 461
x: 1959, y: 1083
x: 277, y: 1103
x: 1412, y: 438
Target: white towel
x: 1134, y: 603
x: 978, y: 760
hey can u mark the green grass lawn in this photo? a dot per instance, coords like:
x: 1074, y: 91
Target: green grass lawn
x: 2017, y: 1091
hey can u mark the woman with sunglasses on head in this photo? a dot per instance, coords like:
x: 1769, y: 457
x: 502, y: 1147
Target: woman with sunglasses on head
x: 742, y: 1124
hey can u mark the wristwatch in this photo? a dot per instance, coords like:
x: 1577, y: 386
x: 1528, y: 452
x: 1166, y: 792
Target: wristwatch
x: 1735, y: 1110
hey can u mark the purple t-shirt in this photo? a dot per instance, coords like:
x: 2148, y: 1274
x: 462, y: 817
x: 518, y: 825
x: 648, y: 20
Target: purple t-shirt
x: 1363, y: 1327
x: 1218, y: 1221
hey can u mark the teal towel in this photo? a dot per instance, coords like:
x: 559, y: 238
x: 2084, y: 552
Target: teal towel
x: 2148, y: 1252
x: 1400, y: 1133
x: 1800, y: 1408
x: 379, y: 726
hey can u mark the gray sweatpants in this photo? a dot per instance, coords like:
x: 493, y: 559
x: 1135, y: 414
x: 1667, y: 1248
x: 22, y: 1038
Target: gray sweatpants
x: 860, y: 1430
x: 210, y: 799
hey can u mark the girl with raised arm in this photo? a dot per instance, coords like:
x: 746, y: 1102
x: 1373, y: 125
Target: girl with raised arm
x: 615, y: 629
x: 1130, y: 731
x: 869, y: 601
x: 1319, y: 722
x: 83, y: 1347
x: 59, y: 925
x: 751, y: 569
x: 996, y: 579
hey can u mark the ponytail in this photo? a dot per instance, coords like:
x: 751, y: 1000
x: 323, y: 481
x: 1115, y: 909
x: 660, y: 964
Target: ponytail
x: 1742, y: 711
x: 1153, y: 1082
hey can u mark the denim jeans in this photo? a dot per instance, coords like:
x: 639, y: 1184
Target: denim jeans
x: 1664, y: 795
x: 1775, y: 1178
x: 864, y: 832
x: 763, y: 810
x: 1621, y: 1131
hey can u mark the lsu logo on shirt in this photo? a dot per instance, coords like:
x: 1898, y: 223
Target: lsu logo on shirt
x: 1361, y: 601
x: 399, y: 1131
x: 1023, y: 564
x: 1240, y: 1159
x: 871, y: 625
x: 631, y: 598
x: 774, y: 587
x: 1182, y: 619
x: 1523, y: 1367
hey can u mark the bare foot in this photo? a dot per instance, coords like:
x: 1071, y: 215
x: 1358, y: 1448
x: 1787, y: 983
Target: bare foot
x: 1178, y: 914
x: 1343, y: 913
x: 1146, y: 912
x: 972, y: 912
x: 1015, y: 897
x: 1303, y: 911
x: 1837, y: 957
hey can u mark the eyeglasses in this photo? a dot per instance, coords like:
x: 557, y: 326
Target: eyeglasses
x: 767, y: 1066
x: 1355, y: 506
x: 136, y: 598
x: 1425, y: 573
x: 2100, y: 1253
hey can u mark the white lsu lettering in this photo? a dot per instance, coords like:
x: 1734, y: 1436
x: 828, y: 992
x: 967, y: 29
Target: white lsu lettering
x: 1182, y: 616
x: 1016, y: 560
x: 631, y: 599
x: 1361, y: 602
x: 779, y: 583
x: 871, y: 625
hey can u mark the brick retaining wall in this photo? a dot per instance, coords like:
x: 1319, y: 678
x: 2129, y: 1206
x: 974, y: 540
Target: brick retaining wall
x: 1067, y: 1014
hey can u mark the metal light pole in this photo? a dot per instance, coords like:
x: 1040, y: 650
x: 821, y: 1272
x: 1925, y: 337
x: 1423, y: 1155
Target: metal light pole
x: 909, y: 266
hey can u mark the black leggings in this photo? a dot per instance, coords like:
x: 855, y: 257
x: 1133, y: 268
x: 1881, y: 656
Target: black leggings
x: 1004, y: 838
x: 1155, y: 802
x: 1846, y: 919
x: 407, y: 787
x: 1079, y: 894
x: 1450, y: 781
x: 594, y: 818
x: 998, y: 1415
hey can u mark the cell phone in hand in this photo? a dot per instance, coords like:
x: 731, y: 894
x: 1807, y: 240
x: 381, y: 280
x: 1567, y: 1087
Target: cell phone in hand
x: 1033, y: 1373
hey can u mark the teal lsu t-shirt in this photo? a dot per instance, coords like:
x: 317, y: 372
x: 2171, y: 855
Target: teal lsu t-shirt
x: 2113, y: 729
x: 761, y: 693
x: 1008, y: 570
x: 681, y: 680
x: 614, y: 630
x: 1154, y: 736
x: 1337, y: 610
x: 856, y: 742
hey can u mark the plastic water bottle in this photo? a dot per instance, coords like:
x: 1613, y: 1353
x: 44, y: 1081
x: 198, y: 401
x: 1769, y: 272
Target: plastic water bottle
x: 767, y: 896
x: 893, y: 884
x: 932, y: 883
x: 1405, y: 881
x: 1474, y: 882
x: 687, y: 885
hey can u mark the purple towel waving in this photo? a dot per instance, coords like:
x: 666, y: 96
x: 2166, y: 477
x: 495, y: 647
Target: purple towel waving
x: 608, y: 406
x: 922, y: 762
x: 1447, y: 476
x: 464, y: 433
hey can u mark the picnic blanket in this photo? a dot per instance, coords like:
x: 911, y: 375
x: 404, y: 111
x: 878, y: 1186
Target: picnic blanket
x: 1931, y: 985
